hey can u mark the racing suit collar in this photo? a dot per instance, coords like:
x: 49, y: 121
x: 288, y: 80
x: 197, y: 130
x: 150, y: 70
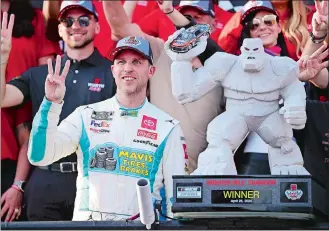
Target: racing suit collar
x: 131, y: 109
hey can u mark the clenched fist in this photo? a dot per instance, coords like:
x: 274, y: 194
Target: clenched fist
x: 295, y: 116
x: 55, y: 82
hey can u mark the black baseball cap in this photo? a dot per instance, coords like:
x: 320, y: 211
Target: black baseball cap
x: 86, y: 5
x: 205, y: 6
x: 251, y: 8
x: 135, y: 43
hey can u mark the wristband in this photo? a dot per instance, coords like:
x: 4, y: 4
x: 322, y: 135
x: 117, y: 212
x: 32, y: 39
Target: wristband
x: 317, y: 40
x: 170, y: 11
x: 191, y: 23
x: 17, y: 188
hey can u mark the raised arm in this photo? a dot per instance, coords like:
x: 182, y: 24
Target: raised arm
x: 122, y: 27
x: 10, y: 95
x: 189, y: 85
x: 174, y: 15
x: 319, y: 28
x: 50, y: 11
x: 129, y: 7
x: 49, y: 143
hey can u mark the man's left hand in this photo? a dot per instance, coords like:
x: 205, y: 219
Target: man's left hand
x: 11, y: 202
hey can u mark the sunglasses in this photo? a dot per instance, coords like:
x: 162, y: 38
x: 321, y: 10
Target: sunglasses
x: 268, y: 20
x: 83, y: 21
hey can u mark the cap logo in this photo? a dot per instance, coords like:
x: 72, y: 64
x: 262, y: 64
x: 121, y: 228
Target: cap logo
x: 259, y: 3
x: 131, y: 41
x: 77, y: 1
x: 252, y: 4
x: 184, y: 3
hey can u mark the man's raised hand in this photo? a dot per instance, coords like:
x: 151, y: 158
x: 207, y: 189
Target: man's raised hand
x: 55, y: 82
x: 6, y: 35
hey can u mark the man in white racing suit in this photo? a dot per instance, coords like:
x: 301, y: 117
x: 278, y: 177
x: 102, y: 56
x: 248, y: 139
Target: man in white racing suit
x: 117, y: 141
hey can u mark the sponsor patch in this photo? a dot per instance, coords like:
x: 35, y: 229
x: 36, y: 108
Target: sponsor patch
x: 100, y: 124
x: 146, y: 134
x: 96, y: 85
x: 149, y: 123
x: 99, y: 130
x: 146, y: 142
x: 112, y: 159
x: 129, y: 113
x: 102, y: 115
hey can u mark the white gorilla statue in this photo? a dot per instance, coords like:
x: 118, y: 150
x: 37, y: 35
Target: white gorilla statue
x: 253, y: 83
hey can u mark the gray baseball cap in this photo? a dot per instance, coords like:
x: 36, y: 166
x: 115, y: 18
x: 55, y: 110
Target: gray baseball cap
x: 205, y: 6
x: 86, y: 5
x: 135, y: 43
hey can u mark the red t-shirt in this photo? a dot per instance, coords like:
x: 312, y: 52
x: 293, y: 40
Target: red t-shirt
x: 144, y: 8
x: 222, y: 17
x: 103, y: 40
x: 157, y: 24
x: 24, y: 54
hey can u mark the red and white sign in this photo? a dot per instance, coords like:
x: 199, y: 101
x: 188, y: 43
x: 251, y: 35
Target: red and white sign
x: 96, y: 85
x: 294, y: 193
x: 150, y: 135
x: 149, y: 123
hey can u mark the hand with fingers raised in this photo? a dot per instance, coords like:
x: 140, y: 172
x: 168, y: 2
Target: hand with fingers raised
x: 320, y: 19
x: 55, y: 82
x: 310, y: 66
x: 6, y: 36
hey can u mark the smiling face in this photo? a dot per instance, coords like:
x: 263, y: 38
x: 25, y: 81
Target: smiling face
x: 78, y: 36
x: 131, y: 71
x: 265, y: 27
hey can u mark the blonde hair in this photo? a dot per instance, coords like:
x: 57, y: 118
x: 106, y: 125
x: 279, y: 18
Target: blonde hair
x: 295, y: 29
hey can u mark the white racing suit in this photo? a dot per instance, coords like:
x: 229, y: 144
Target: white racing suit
x: 115, y: 147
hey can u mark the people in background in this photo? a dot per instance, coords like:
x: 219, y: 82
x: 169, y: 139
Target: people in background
x: 294, y: 19
x: 50, y: 192
x: 29, y: 48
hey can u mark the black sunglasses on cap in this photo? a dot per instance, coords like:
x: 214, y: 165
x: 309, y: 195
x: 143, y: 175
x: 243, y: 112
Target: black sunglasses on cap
x: 83, y: 21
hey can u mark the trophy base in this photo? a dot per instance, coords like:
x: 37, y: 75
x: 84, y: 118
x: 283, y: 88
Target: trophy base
x: 284, y: 197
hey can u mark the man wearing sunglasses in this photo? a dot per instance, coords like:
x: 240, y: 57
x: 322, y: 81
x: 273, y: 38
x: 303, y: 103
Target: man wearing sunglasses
x: 50, y: 192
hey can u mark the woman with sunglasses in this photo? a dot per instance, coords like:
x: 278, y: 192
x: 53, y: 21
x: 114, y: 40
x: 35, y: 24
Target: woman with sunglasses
x: 29, y: 48
x: 293, y: 17
x: 261, y: 20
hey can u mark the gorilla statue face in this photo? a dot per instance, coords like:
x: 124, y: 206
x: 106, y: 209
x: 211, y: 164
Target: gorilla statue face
x: 252, y: 55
